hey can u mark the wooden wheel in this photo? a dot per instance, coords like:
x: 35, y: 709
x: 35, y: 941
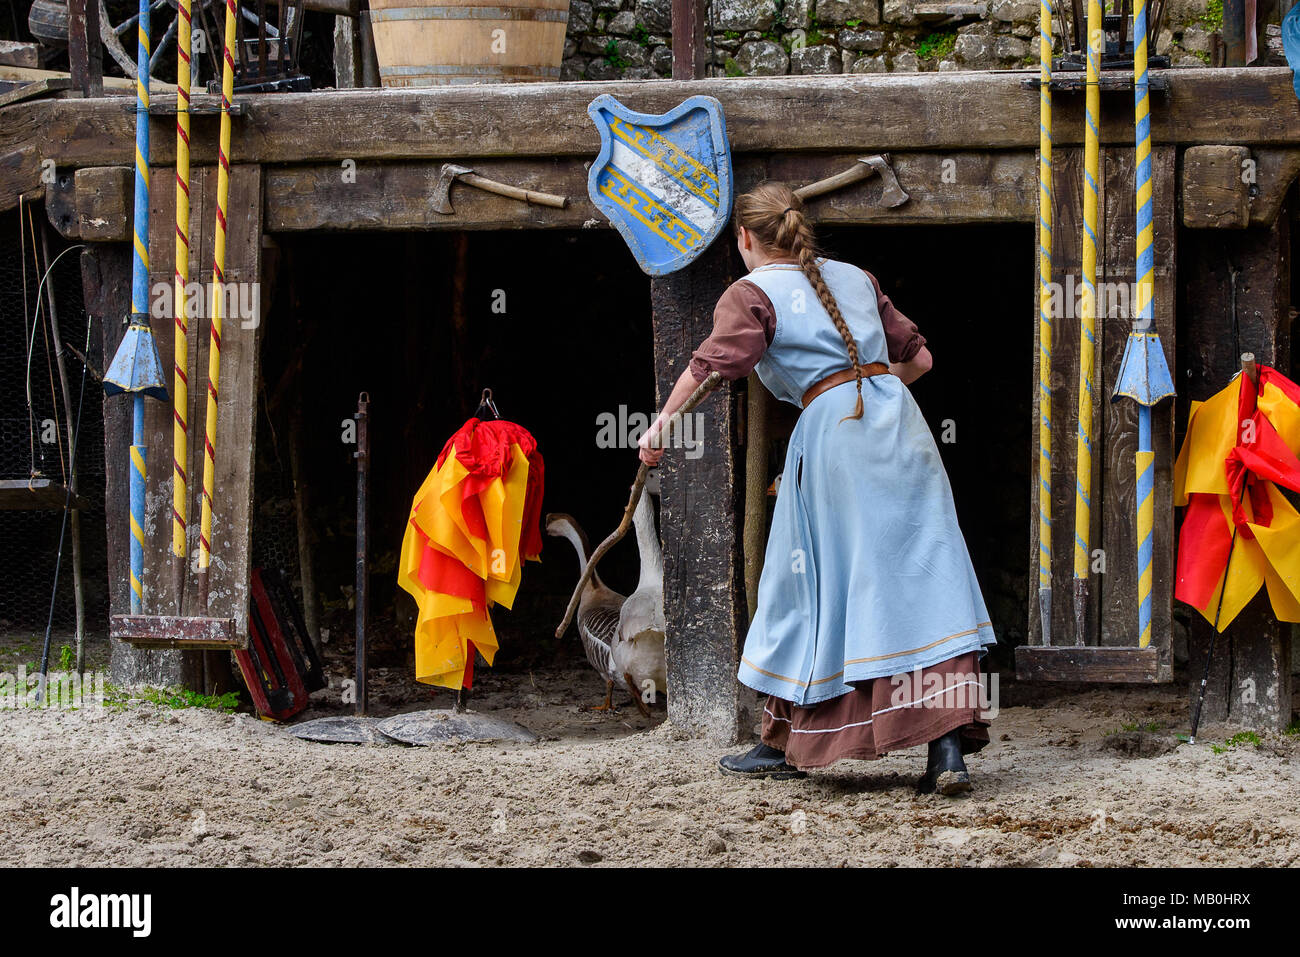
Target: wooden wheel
x: 163, y: 40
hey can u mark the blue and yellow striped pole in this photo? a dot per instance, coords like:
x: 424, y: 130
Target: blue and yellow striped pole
x: 136, y: 368
x: 1095, y: 41
x: 1045, y: 320
x: 1144, y: 374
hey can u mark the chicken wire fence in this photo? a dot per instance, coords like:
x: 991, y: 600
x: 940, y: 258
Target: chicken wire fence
x: 34, y: 440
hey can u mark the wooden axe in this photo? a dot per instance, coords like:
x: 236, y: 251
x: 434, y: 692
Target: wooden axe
x: 451, y: 172
x: 892, y: 195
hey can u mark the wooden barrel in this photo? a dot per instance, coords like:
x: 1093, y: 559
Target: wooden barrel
x: 442, y: 42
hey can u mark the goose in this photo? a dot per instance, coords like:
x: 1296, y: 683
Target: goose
x: 637, y: 651
x: 598, y: 608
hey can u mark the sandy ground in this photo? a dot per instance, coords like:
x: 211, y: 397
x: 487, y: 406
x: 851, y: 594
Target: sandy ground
x: 1061, y: 785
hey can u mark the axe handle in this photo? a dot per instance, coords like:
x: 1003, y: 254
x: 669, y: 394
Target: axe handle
x: 856, y: 173
x: 514, y: 192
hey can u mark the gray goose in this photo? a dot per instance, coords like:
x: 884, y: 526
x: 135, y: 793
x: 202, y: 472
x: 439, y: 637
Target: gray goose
x: 598, y: 608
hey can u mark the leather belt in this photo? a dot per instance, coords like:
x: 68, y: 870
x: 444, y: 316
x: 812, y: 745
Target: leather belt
x: 844, y: 375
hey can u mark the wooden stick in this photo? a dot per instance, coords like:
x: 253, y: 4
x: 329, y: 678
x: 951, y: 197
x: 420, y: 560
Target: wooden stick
x: 696, y: 397
x: 514, y: 192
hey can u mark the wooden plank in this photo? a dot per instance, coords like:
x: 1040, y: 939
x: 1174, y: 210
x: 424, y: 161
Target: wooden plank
x: 927, y: 111
x: 701, y: 517
x: 1113, y: 665
x: 105, y: 201
x: 106, y: 287
x: 35, y: 494
x: 1116, y: 494
x: 1275, y: 171
x: 945, y: 188
x: 172, y: 631
x: 1250, y: 680
x: 1216, y: 194
x: 17, y: 53
x: 1067, y: 267
x: 398, y: 196
x: 233, y: 499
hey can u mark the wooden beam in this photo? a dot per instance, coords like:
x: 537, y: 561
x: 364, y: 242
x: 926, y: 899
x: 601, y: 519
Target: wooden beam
x: 945, y: 188
x: 869, y: 113
x: 1112, y: 665
x: 700, y: 517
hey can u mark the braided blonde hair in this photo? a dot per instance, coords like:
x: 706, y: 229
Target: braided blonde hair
x: 774, y: 215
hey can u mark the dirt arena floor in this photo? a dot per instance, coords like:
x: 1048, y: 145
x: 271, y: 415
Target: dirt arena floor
x: 1073, y: 778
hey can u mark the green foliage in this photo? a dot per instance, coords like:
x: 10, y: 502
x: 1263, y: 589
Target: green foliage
x: 732, y: 68
x: 936, y: 45
x: 1293, y: 729
x: 121, y: 698
x: 641, y: 35
x: 1241, y: 737
x: 1213, y: 16
x: 1202, y: 55
x: 65, y: 658
x: 853, y: 24
x: 612, y: 56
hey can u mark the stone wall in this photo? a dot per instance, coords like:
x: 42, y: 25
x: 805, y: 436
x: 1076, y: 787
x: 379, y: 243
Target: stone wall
x: 630, y: 39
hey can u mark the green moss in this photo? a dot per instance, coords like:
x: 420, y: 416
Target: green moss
x: 936, y: 45
x: 732, y: 68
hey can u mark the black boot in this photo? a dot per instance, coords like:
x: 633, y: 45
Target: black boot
x: 946, y: 771
x: 760, y: 762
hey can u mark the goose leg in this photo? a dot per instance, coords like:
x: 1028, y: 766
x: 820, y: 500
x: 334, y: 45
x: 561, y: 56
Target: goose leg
x: 636, y: 694
x: 609, y: 698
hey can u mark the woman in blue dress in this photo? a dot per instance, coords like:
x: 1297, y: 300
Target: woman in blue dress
x: 870, y: 622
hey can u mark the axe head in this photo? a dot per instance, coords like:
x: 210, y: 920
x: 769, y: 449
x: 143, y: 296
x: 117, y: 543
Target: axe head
x: 892, y: 195
x: 442, y: 191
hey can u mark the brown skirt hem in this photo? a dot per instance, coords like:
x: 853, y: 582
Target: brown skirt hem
x: 869, y: 722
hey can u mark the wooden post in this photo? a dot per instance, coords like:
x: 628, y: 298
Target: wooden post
x: 757, y: 445
x: 85, y: 51
x: 347, y: 53
x: 106, y: 285
x: 690, y: 41
x: 1250, y: 682
x: 701, y: 512
x: 1233, y: 32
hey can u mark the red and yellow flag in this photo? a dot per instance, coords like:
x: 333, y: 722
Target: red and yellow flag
x: 473, y: 522
x: 1241, y: 445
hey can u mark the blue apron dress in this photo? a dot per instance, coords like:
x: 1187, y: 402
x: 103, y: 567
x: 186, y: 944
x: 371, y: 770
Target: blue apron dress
x: 866, y: 572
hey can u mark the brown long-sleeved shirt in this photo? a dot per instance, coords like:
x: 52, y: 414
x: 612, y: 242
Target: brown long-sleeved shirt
x: 744, y: 323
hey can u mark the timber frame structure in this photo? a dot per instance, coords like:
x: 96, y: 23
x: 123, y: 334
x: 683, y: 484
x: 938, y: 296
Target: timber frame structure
x: 291, y: 151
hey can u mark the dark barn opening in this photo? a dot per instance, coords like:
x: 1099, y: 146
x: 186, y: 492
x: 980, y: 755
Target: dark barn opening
x: 977, y: 319
x: 557, y: 324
